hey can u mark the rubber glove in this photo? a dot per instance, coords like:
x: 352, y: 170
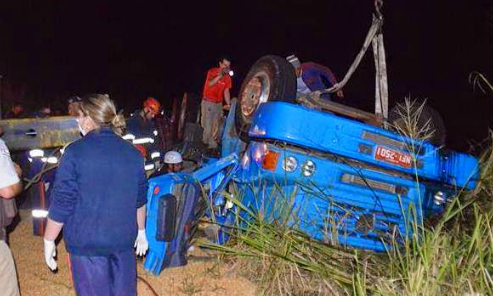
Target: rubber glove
x: 141, y: 243
x: 50, y: 253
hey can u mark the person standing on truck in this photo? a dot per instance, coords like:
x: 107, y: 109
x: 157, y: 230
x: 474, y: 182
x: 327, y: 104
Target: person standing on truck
x: 10, y: 186
x: 216, y: 89
x: 99, y: 199
x: 312, y: 77
x: 142, y: 131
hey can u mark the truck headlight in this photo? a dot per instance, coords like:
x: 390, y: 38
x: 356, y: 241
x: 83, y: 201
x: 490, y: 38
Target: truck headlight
x: 439, y: 198
x: 289, y: 164
x: 308, y: 168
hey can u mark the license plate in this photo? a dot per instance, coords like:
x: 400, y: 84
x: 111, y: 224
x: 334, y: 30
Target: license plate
x: 393, y: 156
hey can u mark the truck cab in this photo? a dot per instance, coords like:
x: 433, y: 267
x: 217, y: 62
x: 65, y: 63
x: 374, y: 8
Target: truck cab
x: 340, y: 180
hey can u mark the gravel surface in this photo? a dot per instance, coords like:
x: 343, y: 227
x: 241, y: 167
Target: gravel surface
x: 203, y: 275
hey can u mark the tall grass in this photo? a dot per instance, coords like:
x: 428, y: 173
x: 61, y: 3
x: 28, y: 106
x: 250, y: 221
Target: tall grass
x: 453, y: 256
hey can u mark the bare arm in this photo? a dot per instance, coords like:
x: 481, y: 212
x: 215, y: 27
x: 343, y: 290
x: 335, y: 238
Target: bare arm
x: 215, y: 79
x: 53, y: 229
x: 141, y: 217
x: 227, y: 97
x: 14, y: 189
x: 11, y: 191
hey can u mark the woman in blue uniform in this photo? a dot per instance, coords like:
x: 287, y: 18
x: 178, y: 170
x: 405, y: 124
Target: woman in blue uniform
x: 99, y: 198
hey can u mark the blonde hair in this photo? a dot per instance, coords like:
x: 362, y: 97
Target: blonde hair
x: 102, y: 111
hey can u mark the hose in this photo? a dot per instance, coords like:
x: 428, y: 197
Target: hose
x: 148, y: 286
x: 44, y: 169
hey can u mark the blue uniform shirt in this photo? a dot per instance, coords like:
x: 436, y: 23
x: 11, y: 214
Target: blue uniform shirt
x: 313, y: 76
x: 98, y: 187
x: 140, y: 127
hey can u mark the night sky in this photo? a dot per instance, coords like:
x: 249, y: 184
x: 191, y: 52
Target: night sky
x: 162, y: 49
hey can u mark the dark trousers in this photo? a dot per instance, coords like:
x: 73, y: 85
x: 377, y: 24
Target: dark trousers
x: 112, y: 275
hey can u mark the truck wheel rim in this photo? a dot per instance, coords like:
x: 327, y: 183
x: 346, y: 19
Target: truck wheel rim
x: 255, y: 93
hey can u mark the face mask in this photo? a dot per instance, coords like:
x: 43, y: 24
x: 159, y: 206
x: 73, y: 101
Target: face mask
x: 80, y: 127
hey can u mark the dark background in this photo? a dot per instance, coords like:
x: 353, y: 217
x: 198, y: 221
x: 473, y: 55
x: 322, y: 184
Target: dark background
x: 55, y: 49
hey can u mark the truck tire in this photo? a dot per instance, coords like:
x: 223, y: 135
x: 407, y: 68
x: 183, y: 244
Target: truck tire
x: 271, y: 78
x: 428, y: 114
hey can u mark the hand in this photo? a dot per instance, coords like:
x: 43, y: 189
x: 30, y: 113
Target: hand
x: 50, y: 253
x: 141, y: 243
x: 18, y: 169
x: 227, y: 107
x: 340, y: 94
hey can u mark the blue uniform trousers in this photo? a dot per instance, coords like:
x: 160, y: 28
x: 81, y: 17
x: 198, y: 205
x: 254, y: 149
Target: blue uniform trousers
x: 112, y: 275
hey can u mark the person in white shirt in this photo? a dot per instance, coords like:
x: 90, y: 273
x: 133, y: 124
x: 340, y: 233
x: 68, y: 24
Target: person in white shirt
x: 10, y: 186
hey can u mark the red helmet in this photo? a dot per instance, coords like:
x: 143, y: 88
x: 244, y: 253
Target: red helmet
x: 153, y: 105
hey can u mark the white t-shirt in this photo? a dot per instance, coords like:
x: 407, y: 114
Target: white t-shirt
x: 8, y: 176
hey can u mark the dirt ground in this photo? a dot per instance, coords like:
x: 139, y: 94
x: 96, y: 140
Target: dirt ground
x: 203, y: 275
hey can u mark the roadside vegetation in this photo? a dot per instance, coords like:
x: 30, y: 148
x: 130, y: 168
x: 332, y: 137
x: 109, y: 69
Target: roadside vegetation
x: 448, y: 255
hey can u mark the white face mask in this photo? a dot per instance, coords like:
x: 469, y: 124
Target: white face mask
x: 82, y: 131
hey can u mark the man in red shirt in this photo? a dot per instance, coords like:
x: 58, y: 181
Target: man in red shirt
x: 216, y: 88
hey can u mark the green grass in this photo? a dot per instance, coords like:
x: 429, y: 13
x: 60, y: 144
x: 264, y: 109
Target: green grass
x: 452, y: 256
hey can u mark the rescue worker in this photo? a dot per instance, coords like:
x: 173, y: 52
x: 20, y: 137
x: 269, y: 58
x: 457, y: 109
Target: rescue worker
x: 216, y: 89
x: 39, y: 192
x: 312, y: 77
x: 141, y: 129
x: 173, y: 162
x: 99, y: 199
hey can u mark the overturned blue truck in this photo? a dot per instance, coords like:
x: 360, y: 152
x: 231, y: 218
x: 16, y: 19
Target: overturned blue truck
x: 348, y: 180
